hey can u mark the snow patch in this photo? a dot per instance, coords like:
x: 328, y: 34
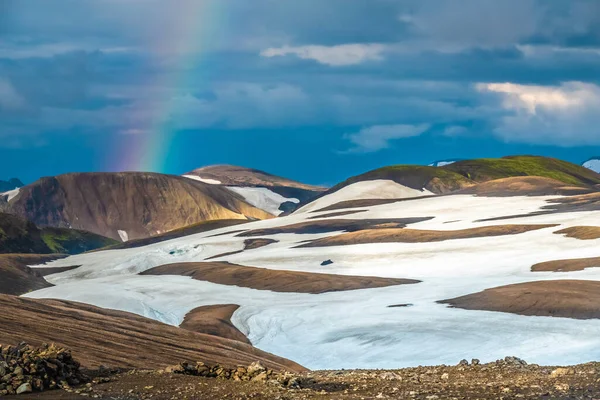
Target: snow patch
x: 377, y: 189
x: 11, y: 194
x: 263, y: 198
x: 593, y: 164
x: 123, y: 235
x: 442, y: 163
x: 200, y: 179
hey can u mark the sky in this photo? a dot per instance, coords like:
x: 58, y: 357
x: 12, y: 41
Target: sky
x: 314, y: 90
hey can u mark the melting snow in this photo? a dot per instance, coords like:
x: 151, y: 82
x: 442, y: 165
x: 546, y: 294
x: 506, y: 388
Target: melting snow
x: 11, y: 194
x: 208, y: 181
x: 441, y: 163
x: 376, y: 189
x: 356, y: 329
x: 263, y: 198
x: 123, y: 235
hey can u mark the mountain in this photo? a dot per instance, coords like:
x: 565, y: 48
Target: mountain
x: 270, y: 193
x: 125, y: 206
x: 17, y: 235
x: 593, y: 164
x: 11, y: 184
x: 409, y: 181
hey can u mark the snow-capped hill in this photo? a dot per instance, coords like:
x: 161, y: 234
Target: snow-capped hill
x: 593, y: 164
x: 265, y: 191
x: 442, y: 163
x: 203, y: 180
x: 376, y: 189
x: 263, y: 198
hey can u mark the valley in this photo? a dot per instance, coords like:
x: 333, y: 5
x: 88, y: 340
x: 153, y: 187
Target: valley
x: 371, y: 274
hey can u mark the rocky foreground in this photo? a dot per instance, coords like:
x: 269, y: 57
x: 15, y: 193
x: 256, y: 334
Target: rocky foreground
x: 27, y: 371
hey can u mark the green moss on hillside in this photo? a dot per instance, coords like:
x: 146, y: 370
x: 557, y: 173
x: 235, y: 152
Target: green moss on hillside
x: 419, y: 177
x: 487, y: 169
x: 72, y: 241
x: 463, y: 174
x: 18, y: 235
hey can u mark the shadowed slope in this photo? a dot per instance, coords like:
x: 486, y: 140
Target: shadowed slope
x: 17, y: 235
x: 17, y: 278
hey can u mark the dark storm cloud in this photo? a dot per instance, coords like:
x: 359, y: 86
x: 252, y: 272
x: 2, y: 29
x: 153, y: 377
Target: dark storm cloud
x: 103, y: 65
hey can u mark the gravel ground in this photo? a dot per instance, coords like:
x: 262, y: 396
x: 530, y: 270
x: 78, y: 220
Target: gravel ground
x: 510, y: 379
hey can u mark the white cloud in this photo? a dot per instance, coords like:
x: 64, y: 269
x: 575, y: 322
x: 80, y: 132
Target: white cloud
x: 377, y: 137
x: 565, y: 115
x: 18, y: 51
x: 335, y: 56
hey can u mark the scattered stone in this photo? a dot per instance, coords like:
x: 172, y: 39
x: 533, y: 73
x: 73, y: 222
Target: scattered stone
x: 463, y: 363
x: 512, y: 362
x: 475, y: 362
x: 326, y: 262
x: 255, y: 372
x: 562, y: 387
x: 558, y: 372
x: 25, y: 369
x: 24, y: 388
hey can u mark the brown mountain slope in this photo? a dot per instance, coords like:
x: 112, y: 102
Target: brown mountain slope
x: 232, y: 175
x: 578, y: 299
x: 140, y: 204
x: 118, y: 339
x: 214, y: 320
x: 224, y: 273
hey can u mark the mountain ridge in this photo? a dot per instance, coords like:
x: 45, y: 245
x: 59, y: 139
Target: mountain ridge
x: 126, y: 205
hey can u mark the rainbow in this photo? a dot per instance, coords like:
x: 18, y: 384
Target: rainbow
x: 145, y: 144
